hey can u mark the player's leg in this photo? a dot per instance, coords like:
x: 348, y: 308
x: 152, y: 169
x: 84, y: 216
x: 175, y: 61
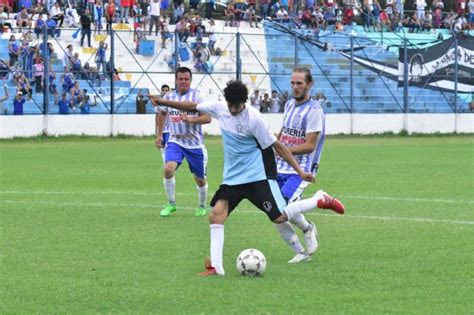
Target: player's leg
x: 320, y: 200
x: 197, y: 160
x: 292, y: 188
x: 223, y: 202
x: 286, y: 231
x: 173, y: 158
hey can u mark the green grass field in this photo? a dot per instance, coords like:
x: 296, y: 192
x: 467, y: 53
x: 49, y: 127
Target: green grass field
x: 80, y: 232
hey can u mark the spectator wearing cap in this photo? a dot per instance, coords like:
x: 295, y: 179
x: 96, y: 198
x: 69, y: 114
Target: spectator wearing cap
x: 18, y: 103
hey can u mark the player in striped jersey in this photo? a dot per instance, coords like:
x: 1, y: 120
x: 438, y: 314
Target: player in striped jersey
x: 303, y: 133
x: 185, y: 142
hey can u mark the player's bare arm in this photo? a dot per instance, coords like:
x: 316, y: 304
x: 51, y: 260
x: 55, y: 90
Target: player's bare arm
x: 181, y: 105
x: 159, y: 123
x: 308, y: 146
x: 202, y: 119
x: 285, y: 153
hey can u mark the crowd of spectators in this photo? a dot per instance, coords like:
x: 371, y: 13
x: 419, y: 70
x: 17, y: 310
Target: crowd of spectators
x: 28, y: 20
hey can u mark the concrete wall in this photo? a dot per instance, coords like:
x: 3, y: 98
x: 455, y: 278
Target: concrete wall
x: 144, y: 125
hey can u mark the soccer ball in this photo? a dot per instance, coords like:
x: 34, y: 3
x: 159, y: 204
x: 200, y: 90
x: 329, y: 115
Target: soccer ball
x: 251, y: 262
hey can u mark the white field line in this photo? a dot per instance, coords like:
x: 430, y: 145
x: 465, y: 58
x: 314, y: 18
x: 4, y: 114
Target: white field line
x: 155, y: 206
x: 408, y: 199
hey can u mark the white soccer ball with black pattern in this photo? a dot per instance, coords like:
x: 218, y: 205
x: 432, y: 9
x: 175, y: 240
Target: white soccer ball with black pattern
x: 251, y: 262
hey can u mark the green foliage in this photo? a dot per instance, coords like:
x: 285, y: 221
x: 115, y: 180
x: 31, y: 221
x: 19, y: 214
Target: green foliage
x: 80, y: 232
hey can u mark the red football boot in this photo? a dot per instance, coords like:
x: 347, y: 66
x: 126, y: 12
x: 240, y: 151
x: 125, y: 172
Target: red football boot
x: 326, y: 201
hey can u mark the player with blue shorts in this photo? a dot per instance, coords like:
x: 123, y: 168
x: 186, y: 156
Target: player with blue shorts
x: 303, y: 132
x: 186, y: 141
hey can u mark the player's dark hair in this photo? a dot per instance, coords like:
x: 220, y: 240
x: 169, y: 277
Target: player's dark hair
x: 183, y: 70
x: 307, y: 72
x: 164, y: 86
x: 236, y: 92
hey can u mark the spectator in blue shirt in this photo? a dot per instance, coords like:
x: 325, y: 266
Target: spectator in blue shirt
x: 18, y: 103
x: 64, y: 105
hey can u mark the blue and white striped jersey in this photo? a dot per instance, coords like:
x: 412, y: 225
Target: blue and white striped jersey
x: 185, y: 134
x: 300, y: 120
x: 248, y: 140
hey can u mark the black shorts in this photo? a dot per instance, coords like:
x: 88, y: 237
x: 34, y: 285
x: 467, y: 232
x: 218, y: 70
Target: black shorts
x: 264, y: 194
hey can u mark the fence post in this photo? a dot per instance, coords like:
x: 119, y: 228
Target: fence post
x: 456, y: 77
x: 46, y: 58
x: 238, y: 74
x: 112, y: 68
x: 176, y: 50
x: 296, y: 50
x: 405, y: 76
x: 352, y: 75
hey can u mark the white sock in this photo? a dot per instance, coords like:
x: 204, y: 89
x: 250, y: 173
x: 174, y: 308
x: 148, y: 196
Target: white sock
x: 202, y: 193
x: 217, y: 247
x: 170, y: 185
x: 300, y: 221
x: 301, y: 206
x: 289, y: 235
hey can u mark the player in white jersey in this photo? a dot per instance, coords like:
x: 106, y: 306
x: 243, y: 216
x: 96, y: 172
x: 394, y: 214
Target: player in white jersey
x: 303, y: 132
x: 163, y: 140
x: 185, y: 142
x: 249, y: 168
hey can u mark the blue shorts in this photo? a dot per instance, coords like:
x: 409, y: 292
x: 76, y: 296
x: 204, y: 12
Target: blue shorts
x: 166, y: 137
x: 289, y: 184
x: 292, y: 186
x: 197, y: 158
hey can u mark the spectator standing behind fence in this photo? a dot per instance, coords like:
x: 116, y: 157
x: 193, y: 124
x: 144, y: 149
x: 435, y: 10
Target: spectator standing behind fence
x: 86, y: 22
x: 98, y: 15
x: 471, y: 15
x: 125, y: 10
x: 141, y: 102
x: 100, y: 58
x: 18, y: 103
x: 3, y: 98
x: 109, y: 14
x: 67, y: 56
x: 63, y: 105
x: 255, y: 100
x: 275, y: 102
x: 209, y: 8
x: 13, y: 50
x: 39, y: 73
x: 85, y: 103
x: 154, y: 16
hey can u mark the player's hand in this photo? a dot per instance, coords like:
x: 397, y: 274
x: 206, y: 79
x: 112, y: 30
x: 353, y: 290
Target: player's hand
x: 159, y: 142
x: 184, y: 117
x: 306, y: 176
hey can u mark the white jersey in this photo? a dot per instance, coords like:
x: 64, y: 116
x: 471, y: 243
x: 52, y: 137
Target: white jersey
x: 248, y: 140
x: 300, y: 120
x: 185, y: 134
